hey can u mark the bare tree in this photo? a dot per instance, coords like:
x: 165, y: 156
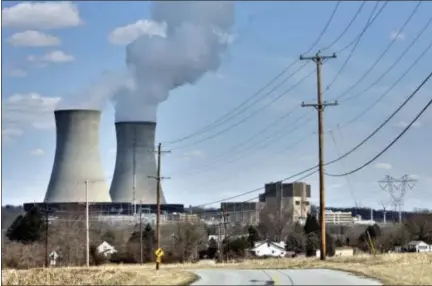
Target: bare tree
x: 188, y: 238
x: 275, y: 222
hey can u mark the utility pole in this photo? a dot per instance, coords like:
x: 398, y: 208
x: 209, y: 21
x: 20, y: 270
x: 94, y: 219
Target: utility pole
x: 134, y: 174
x: 141, y: 234
x: 87, y: 226
x: 46, y: 210
x: 319, y: 106
x: 158, y: 195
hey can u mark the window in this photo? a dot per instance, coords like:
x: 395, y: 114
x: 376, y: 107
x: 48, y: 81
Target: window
x: 273, y: 251
x: 297, y: 203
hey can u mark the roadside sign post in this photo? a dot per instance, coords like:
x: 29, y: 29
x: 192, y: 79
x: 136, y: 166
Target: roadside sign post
x: 159, y: 254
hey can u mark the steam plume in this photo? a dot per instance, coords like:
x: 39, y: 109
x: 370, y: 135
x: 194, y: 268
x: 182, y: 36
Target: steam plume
x: 195, y: 37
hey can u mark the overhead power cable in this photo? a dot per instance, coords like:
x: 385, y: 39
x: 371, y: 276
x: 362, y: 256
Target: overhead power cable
x: 388, y: 146
x: 357, y: 41
x: 400, y: 30
x: 346, y: 27
x: 249, y: 116
x: 354, y: 148
x: 228, y: 116
x: 366, y: 27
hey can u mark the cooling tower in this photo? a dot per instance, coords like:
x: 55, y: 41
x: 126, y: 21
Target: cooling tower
x: 135, y: 162
x: 77, y: 159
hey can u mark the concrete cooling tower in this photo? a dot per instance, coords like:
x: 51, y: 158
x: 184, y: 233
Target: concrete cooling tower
x: 77, y: 159
x: 135, y: 162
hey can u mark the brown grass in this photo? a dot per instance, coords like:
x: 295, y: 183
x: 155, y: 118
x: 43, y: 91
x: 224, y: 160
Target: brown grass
x: 97, y: 276
x: 390, y: 269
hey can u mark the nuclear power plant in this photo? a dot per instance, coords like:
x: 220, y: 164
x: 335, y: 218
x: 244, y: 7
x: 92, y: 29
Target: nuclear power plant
x: 134, y: 177
x: 78, y: 168
x: 77, y: 159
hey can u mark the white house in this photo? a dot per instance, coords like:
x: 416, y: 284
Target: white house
x: 418, y: 246
x: 269, y: 248
x: 106, y: 249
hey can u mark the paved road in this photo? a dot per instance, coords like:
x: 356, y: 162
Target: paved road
x: 279, y: 277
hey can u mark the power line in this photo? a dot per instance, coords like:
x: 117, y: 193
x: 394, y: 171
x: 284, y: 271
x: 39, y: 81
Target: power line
x: 381, y: 97
x: 388, y: 146
x: 367, y: 26
x: 346, y: 27
x: 370, y: 21
x: 348, y: 181
x: 400, y: 30
x: 345, y: 154
x: 249, y: 116
x: 221, y: 120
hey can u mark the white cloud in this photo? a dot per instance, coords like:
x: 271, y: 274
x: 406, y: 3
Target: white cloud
x: 384, y: 166
x: 404, y: 124
x: 398, y: 36
x: 41, y: 15
x: 192, y: 154
x: 10, y: 133
x: 17, y: 73
x: 31, y: 109
x: 37, y: 152
x: 126, y: 34
x: 33, y: 38
x: 56, y: 57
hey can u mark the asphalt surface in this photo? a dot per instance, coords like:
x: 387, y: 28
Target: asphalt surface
x: 279, y: 277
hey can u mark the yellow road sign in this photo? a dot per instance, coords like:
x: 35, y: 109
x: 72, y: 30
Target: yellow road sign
x: 159, y: 252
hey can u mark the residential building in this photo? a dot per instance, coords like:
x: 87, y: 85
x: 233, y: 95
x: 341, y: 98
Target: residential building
x: 269, y: 248
x: 418, y: 246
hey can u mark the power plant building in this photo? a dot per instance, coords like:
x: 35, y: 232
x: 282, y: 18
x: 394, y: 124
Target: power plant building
x: 135, y: 173
x: 289, y: 197
x: 77, y: 159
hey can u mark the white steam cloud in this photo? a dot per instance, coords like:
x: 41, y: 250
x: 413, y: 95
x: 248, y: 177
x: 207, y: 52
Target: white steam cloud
x: 196, y: 34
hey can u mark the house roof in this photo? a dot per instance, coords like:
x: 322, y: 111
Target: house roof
x: 416, y: 242
x: 275, y: 244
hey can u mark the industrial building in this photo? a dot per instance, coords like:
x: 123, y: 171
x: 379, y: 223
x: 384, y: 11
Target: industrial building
x: 134, y: 177
x: 292, y: 199
x: 77, y: 175
x: 338, y: 217
x: 242, y: 212
x: 77, y: 159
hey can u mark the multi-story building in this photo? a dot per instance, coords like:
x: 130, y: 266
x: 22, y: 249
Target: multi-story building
x: 338, y: 217
x: 292, y: 198
x: 242, y: 212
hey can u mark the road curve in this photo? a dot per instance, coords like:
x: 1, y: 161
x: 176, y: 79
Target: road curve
x: 279, y: 277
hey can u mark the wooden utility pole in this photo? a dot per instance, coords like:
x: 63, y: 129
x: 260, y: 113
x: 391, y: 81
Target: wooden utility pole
x: 319, y: 106
x: 46, y: 210
x: 87, y: 225
x: 141, y: 235
x: 158, y: 195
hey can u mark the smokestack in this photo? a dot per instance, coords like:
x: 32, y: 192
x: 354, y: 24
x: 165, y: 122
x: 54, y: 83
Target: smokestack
x: 77, y: 159
x: 135, y: 162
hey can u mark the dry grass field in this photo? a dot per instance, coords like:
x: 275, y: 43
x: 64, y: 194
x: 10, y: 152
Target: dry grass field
x: 97, y: 276
x: 391, y: 269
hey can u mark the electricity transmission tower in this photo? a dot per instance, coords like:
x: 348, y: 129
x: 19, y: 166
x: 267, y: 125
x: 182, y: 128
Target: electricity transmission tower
x: 397, y: 188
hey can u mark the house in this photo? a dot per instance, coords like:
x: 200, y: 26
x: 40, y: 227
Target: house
x: 269, y: 248
x: 418, y: 246
x: 106, y: 249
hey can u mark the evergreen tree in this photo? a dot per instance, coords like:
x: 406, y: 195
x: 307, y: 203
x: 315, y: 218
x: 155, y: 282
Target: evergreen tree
x: 311, y: 225
x: 28, y: 228
x: 253, y: 236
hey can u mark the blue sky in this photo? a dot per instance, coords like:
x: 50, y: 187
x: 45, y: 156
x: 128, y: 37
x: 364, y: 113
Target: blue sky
x: 52, y: 57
